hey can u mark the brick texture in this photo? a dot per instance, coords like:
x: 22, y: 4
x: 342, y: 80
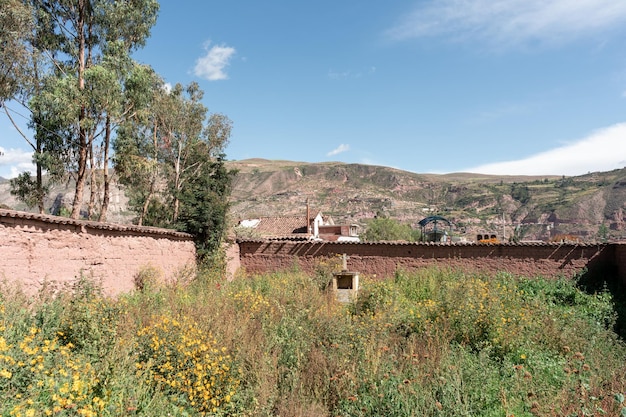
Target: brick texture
x: 382, y: 260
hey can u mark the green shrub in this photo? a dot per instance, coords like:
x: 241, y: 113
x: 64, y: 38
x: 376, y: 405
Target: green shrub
x: 187, y: 364
x: 432, y: 342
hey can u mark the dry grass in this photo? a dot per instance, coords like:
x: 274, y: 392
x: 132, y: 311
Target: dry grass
x: 434, y: 343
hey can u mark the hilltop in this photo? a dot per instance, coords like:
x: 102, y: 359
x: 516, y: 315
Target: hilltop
x: 539, y: 207
x: 532, y: 207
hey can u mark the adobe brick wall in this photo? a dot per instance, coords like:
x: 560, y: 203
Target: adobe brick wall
x: 381, y: 260
x: 35, y: 248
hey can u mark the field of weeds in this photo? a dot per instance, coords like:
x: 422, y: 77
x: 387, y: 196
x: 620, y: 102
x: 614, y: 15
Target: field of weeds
x: 428, y: 343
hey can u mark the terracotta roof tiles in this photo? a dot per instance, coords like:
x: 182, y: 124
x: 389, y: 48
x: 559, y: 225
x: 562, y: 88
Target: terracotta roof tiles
x: 12, y: 216
x: 281, y: 226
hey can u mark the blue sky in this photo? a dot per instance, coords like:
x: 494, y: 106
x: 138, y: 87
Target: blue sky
x: 489, y: 86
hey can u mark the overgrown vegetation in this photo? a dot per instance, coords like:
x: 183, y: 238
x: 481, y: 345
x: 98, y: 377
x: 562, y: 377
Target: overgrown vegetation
x: 433, y: 342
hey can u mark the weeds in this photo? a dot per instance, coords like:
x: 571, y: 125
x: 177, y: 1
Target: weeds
x: 430, y: 343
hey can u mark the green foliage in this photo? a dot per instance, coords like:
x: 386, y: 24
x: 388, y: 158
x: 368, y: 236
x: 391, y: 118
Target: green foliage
x: 384, y: 228
x: 520, y: 192
x: 603, y: 232
x: 16, y: 24
x: 430, y: 342
x: 373, y: 297
x: 187, y: 364
x: 148, y: 278
x: 204, y: 206
x: 25, y: 189
x: 76, y: 88
x: 170, y: 159
x: 88, y: 322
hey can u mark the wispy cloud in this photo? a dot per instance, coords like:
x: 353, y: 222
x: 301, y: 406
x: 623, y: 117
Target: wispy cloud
x: 603, y: 150
x: 510, y: 21
x: 504, y: 111
x: 15, y: 161
x: 341, y: 148
x: 340, y: 75
x: 212, y: 65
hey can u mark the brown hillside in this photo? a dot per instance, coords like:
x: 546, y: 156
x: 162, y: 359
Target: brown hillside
x: 528, y: 207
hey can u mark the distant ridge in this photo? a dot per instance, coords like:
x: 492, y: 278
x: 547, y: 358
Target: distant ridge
x: 533, y: 207
x: 538, y: 206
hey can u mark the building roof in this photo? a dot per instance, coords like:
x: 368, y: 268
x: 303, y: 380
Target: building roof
x: 281, y: 226
x: 19, y: 217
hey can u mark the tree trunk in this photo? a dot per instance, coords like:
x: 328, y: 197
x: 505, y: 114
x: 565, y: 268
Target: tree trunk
x: 106, y: 197
x: 146, y: 204
x: 92, y: 182
x: 177, y: 183
x: 82, y: 133
x: 40, y: 193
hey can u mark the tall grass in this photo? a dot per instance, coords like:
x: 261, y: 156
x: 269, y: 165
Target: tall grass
x: 428, y: 343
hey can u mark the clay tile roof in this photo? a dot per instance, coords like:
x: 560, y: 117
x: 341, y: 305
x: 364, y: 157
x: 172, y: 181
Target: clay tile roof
x: 281, y: 226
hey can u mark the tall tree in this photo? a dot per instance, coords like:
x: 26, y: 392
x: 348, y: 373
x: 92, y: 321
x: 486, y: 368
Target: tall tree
x: 85, y: 32
x: 28, y: 54
x: 16, y: 26
x: 169, y: 156
x: 181, y: 115
x: 137, y: 144
x: 204, y: 203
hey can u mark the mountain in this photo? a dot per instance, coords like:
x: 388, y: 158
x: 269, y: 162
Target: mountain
x: 589, y: 206
x: 533, y: 207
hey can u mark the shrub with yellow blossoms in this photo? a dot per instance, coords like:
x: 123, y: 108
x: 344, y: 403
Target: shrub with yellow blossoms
x: 39, y: 376
x: 186, y: 363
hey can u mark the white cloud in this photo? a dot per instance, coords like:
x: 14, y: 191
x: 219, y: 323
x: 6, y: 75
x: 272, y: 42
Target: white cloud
x: 341, y: 148
x: 603, y: 150
x: 510, y: 21
x: 342, y: 75
x: 338, y: 75
x: 15, y: 161
x: 211, y: 66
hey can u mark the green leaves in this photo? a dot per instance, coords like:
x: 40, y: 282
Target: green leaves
x: 23, y: 187
x: 170, y: 158
x: 387, y: 229
x: 16, y: 25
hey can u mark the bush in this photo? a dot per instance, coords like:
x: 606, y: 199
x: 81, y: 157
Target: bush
x: 430, y: 342
x: 187, y: 364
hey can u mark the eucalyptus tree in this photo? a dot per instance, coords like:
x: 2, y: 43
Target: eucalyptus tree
x: 170, y: 157
x: 137, y: 145
x: 181, y: 124
x: 16, y: 26
x: 83, y: 90
x: 16, y: 56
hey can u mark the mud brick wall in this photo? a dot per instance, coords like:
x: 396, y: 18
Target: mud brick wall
x: 35, y: 249
x: 382, y: 260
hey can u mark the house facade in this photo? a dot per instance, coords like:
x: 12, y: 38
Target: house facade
x: 309, y: 227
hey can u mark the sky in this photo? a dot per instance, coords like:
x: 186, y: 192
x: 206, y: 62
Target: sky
x: 505, y: 87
